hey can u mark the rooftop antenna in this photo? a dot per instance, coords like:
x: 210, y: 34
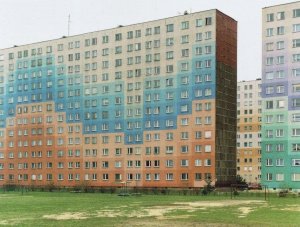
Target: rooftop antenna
x: 69, y: 24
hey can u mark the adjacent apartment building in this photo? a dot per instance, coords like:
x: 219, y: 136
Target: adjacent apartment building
x: 281, y: 96
x: 151, y: 104
x: 249, y: 108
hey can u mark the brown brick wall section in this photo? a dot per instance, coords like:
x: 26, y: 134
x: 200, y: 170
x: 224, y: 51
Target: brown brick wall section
x: 226, y: 82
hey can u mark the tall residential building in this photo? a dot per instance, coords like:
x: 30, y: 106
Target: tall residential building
x: 281, y: 96
x: 152, y: 103
x: 249, y: 130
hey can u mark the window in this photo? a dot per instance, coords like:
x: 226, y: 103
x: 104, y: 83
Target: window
x: 169, y: 149
x: 184, y: 162
x: 269, y: 104
x: 118, y: 36
x: 169, y: 176
x: 296, y: 13
x: 269, y: 90
x: 270, y: 32
x: 296, y: 147
x: 296, y: 132
x: 280, y: 60
x: 199, y: 22
x: 296, y: 57
x: 185, y: 176
x: 296, y: 102
x: 279, y: 162
x: 170, y: 27
x: 156, y: 30
x: 296, y: 27
x: 269, y: 61
x: 198, y: 162
x: 208, y: 49
x: 269, y: 133
x: 296, y: 72
x: 184, y: 149
x: 184, y: 25
x: 198, y: 36
x: 169, y: 68
x: 105, y: 39
x: 207, y: 148
x: 269, y: 118
x: 269, y: 46
x: 280, y: 147
x: 138, y: 33
x: 296, y: 117
x: 207, y: 162
x: 296, y: 162
x: 296, y: 87
x: 269, y: 162
x: 280, y: 118
x: 280, y: 30
x: 295, y: 177
x: 270, y: 17
x: 280, y: 74
x: 156, y: 43
x: 208, y: 21
x: 279, y: 177
x: 170, y: 41
x: 280, y: 16
x: 184, y: 66
x: 296, y: 43
x: 280, y: 45
x: 185, y: 52
x: 280, y: 89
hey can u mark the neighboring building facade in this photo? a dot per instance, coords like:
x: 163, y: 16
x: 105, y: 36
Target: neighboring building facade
x: 281, y: 97
x: 152, y: 103
x: 249, y: 130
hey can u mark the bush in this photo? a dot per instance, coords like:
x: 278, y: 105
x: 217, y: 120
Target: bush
x: 204, y: 191
x: 235, y: 192
x: 112, y: 190
x: 50, y: 186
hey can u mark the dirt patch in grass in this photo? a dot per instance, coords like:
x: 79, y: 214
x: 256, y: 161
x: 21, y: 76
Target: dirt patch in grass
x: 66, y: 216
x: 7, y: 196
x: 15, y: 221
x: 4, y: 222
x: 245, y: 211
x: 159, y: 212
x: 162, y: 212
x: 292, y: 208
x: 220, y: 203
x: 168, y: 223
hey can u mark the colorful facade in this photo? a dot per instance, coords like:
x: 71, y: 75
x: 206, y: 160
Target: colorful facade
x: 249, y: 119
x: 281, y: 97
x: 151, y: 104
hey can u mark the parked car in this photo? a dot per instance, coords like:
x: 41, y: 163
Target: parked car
x: 254, y: 186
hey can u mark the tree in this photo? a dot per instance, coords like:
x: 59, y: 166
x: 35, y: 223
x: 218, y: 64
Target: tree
x: 241, y: 181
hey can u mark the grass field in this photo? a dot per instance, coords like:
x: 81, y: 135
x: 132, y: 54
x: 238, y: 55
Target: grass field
x: 97, y: 209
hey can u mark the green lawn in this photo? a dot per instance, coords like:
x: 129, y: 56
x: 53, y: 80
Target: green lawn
x: 97, y: 209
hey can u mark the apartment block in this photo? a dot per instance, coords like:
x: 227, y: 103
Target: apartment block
x: 152, y: 104
x: 281, y: 96
x: 249, y: 108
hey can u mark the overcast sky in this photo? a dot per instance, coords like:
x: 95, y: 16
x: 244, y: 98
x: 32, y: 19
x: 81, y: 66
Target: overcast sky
x: 28, y: 21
